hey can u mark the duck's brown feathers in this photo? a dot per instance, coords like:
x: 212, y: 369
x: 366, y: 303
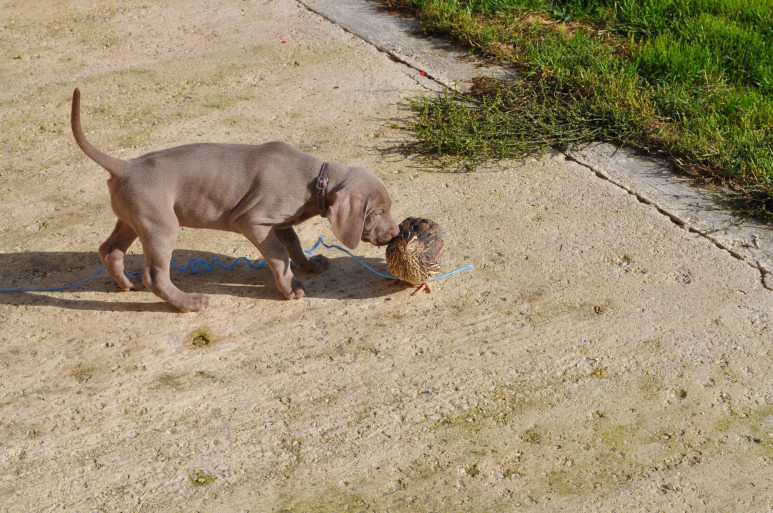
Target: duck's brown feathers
x: 414, y: 255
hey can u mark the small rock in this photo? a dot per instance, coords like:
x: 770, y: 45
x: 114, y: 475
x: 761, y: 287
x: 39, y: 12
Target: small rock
x: 684, y: 278
x: 499, y: 475
x: 668, y: 487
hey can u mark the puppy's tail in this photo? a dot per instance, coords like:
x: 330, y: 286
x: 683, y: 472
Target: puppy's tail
x: 116, y: 167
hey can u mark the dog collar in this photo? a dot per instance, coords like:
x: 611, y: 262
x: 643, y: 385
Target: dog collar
x: 321, y: 184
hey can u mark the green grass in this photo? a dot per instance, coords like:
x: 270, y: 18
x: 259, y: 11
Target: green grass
x: 691, y: 80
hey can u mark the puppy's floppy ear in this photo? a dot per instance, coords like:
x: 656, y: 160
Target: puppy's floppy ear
x: 347, y: 217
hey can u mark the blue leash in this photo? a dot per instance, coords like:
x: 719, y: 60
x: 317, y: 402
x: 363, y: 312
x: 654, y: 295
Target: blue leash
x: 329, y: 246
x: 196, y: 265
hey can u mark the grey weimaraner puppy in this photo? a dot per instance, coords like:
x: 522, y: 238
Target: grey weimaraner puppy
x: 259, y: 191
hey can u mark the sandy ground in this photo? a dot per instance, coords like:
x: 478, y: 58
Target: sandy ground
x: 598, y: 357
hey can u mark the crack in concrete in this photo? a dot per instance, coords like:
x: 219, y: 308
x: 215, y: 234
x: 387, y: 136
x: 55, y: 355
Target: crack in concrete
x: 682, y: 223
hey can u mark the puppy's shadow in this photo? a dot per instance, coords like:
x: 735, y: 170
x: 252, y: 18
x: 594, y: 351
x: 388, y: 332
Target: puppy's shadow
x: 34, y: 271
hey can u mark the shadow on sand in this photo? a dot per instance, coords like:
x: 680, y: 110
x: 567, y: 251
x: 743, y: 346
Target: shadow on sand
x: 346, y: 279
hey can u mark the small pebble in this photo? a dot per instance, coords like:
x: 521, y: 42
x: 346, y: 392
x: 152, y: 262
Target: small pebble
x: 499, y: 475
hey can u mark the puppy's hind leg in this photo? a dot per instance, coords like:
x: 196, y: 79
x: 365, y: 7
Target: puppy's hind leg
x: 158, y: 243
x: 112, y: 252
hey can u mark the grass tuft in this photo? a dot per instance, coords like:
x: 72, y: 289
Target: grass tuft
x: 690, y: 80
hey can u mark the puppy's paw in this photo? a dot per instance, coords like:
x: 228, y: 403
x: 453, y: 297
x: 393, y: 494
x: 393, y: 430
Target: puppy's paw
x: 296, y: 291
x: 128, y: 281
x: 194, y: 303
x: 135, y: 282
x: 315, y: 264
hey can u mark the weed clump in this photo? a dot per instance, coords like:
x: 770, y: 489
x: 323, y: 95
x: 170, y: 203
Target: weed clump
x: 200, y: 478
x: 688, y: 81
x: 201, y: 338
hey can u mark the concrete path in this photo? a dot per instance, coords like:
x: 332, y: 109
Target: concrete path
x: 609, y: 352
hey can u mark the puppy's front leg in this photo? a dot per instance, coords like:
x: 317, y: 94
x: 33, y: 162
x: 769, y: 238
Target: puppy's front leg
x: 315, y: 264
x: 268, y: 242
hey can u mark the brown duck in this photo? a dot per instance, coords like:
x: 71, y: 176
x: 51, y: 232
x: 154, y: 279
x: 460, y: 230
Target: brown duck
x: 414, y: 254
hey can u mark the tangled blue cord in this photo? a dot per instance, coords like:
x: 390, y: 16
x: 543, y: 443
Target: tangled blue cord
x: 196, y: 265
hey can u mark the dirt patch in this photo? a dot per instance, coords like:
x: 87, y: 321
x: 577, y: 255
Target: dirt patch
x: 598, y: 357
x: 200, y: 338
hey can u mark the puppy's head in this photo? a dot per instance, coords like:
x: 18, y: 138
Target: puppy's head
x: 360, y: 209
